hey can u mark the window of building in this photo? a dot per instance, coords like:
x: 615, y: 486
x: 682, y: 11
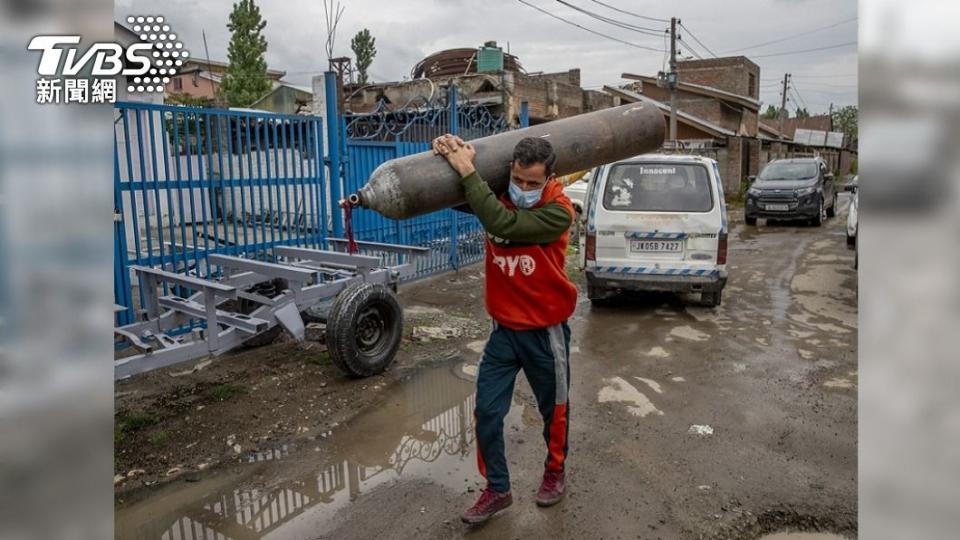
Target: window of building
x: 752, y: 87
x: 177, y: 84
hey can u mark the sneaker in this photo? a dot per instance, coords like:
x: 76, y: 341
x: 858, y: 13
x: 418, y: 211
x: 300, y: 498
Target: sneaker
x: 489, y: 503
x: 551, y: 489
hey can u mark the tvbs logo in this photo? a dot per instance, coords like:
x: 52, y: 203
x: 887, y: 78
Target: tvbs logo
x: 107, y: 58
x: 147, y: 64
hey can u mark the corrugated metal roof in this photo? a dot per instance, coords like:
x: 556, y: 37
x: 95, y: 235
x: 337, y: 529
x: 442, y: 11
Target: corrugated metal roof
x: 703, y: 90
x: 835, y: 139
x: 686, y: 118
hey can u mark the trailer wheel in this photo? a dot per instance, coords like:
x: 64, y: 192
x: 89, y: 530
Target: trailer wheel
x: 364, y: 329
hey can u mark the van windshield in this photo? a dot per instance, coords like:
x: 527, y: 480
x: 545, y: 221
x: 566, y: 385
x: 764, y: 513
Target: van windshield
x: 658, y: 187
x: 784, y: 170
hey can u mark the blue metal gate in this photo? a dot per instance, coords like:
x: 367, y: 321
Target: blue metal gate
x: 189, y: 182
x: 455, y: 238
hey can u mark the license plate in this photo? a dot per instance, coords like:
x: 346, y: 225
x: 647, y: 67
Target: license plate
x: 778, y: 207
x: 656, y: 246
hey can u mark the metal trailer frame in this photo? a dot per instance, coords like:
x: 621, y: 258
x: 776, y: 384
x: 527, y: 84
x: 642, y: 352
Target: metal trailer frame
x: 313, y: 276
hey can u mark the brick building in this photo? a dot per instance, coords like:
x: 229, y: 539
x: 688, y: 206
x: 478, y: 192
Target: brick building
x: 201, y: 79
x: 718, y: 112
x: 734, y: 74
x: 821, y: 122
x: 548, y: 95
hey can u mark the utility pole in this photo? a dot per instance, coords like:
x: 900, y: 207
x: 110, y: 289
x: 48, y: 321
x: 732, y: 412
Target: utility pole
x: 831, y: 116
x: 672, y: 79
x: 783, y: 102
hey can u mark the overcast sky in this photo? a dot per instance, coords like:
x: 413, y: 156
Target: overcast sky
x: 406, y: 31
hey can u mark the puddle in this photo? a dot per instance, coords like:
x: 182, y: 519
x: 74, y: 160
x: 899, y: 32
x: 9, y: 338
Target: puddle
x: 619, y: 390
x: 688, y: 332
x: 657, y: 352
x: 839, y: 382
x: 702, y: 430
x: 703, y: 314
x: 801, y: 536
x: 654, y: 385
x: 422, y: 430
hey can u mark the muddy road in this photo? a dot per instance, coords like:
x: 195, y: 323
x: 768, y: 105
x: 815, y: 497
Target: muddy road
x: 686, y: 422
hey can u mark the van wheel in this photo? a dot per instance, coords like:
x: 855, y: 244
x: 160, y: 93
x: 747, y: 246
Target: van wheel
x: 832, y: 211
x: 598, y: 297
x: 750, y: 220
x: 821, y: 215
x: 711, y: 299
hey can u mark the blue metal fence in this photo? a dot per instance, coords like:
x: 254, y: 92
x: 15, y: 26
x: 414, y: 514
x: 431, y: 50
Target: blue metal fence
x: 189, y: 182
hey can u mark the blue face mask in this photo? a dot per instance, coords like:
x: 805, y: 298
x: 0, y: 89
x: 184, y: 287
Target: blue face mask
x: 524, y: 199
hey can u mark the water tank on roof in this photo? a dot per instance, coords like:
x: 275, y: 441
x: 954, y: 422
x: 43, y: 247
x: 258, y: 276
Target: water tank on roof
x: 489, y: 57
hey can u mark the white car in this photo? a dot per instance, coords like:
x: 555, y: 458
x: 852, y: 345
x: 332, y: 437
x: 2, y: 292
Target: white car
x: 656, y: 223
x: 577, y: 192
x: 853, y: 218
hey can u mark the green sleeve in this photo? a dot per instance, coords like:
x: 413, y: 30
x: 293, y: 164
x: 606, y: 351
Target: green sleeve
x: 531, y: 226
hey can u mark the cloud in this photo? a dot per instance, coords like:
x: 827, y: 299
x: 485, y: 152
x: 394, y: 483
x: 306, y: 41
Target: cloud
x: 408, y: 31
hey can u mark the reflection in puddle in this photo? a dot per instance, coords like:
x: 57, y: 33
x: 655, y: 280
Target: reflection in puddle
x: 619, y: 390
x: 423, y: 429
x: 801, y: 536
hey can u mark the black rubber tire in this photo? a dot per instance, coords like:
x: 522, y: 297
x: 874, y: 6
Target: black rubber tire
x: 832, y: 211
x: 851, y: 241
x: 264, y: 338
x: 818, y: 221
x: 750, y: 220
x: 364, y: 329
x: 711, y: 299
x: 247, y: 307
x: 599, y: 297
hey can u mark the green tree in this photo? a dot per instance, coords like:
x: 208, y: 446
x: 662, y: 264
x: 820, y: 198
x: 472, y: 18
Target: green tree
x: 246, y: 78
x: 771, y: 112
x: 845, y: 120
x: 364, y: 47
x: 802, y: 113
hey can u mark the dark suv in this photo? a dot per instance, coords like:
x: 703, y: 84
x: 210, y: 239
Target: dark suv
x: 799, y: 188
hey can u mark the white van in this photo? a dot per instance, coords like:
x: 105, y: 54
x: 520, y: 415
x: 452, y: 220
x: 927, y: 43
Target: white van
x: 655, y: 223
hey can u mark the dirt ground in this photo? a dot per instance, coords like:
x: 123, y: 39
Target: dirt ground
x: 686, y: 422
x: 199, y: 415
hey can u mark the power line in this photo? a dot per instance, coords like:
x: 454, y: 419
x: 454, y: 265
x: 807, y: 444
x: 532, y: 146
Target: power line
x: 614, y: 22
x: 666, y: 54
x: 697, y: 40
x: 821, y: 85
x: 829, y: 76
x: 629, y: 13
x: 690, y: 48
x: 796, y: 93
x: 785, y: 53
x: 765, y: 43
x: 601, y: 34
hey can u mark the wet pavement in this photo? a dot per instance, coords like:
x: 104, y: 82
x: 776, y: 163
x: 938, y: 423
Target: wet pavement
x: 686, y: 422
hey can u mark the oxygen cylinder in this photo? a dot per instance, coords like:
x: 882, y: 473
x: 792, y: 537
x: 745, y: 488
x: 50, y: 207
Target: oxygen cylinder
x: 413, y: 185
